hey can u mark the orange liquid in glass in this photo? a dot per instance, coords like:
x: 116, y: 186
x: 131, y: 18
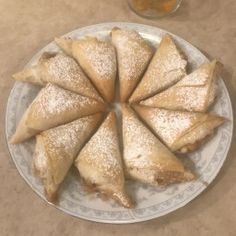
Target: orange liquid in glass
x: 160, y: 6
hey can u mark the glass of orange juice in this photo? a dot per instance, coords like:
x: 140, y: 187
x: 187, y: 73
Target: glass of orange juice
x: 154, y: 8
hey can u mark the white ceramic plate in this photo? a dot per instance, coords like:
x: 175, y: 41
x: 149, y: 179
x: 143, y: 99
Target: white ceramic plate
x: 151, y: 202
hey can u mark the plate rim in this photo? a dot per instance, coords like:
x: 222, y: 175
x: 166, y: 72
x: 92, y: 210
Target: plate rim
x: 134, y: 219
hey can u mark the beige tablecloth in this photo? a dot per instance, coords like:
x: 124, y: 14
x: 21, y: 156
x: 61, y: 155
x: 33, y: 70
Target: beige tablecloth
x: 26, y: 26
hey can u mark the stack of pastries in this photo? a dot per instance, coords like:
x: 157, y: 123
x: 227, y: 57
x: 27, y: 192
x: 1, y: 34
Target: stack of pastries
x: 164, y: 112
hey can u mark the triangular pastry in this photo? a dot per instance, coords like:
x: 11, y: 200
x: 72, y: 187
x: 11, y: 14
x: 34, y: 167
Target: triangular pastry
x: 97, y: 59
x: 146, y: 159
x: 57, y: 148
x: 181, y: 131
x: 195, y: 92
x: 61, y: 70
x: 133, y: 56
x: 53, y: 106
x: 166, y: 68
x: 99, y: 163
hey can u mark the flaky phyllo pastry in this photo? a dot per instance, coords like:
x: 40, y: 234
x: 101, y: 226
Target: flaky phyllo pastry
x: 195, y: 92
x: 180, y: 130
x: 53, y: 106
x: 99, y: 163
x: 133, y: 54
x: 168, y: 115
x: 61, y: 70
x: 97, y: 58
x: 146, y: 159
x: 57, y: 148
x: 166, y: 68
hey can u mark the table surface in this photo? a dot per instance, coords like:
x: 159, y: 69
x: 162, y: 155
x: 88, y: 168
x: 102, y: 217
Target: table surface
x: 27, y: 26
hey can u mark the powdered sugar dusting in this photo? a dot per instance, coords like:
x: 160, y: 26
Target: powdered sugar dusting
x: 196, y: 78
x: 138, y: 141
x: 55, y: 100
x: 192, y: 99
x: 64, y: 71
x: 102, y: 150
x: 169, y: 78
x: 133, y: 53
x: 195, y: 92
x: 69, y: 137
x: 102, y: 57
x: 169, y: 125
x: 167, y: 59
x: 64, y: 68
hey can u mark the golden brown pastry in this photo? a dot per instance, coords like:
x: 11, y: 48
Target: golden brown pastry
x: 98, y: 60
x: 181, y: 131
x: 166, y: 68
x: 99, y: 163
x: 57, y: 148
x: 53, y: 106
x: 61, y: 70
x: 133, y: 56
x: 146, y: 159
x: 195, y: 92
